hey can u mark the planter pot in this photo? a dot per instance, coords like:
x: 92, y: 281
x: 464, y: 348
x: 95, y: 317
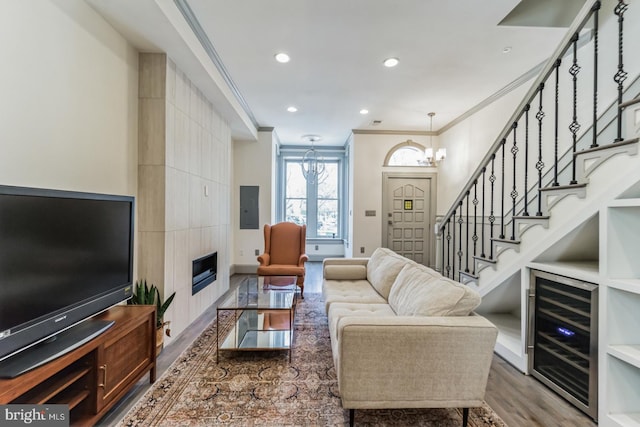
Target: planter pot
x: 159, y: 341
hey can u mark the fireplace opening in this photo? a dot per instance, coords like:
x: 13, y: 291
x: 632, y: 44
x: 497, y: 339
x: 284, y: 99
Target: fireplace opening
x: 205, y: 270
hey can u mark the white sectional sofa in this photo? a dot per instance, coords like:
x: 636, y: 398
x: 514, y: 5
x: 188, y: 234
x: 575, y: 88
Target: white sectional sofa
x: 403, y: 336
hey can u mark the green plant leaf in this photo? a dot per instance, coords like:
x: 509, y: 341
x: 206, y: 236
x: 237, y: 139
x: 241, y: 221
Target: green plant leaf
x: 150, y: 295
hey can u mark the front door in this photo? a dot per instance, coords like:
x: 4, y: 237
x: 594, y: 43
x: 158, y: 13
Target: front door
x: 407, y: 217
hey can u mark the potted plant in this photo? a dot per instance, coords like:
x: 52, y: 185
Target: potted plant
x: 145, y: 295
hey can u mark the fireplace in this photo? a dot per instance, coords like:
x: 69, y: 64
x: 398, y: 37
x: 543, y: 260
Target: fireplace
x: 205, y: 271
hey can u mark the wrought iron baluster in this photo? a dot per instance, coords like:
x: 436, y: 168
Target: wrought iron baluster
x: 526, y: 160
x: 492, y: 218
x: 466, y: 238
x: 448, y: 247
x: 442, y: 250
x: 596, y: 9
x: 555, y: 141
x: 484, y: 170
x: 540, y: 163
x: 475, y: 224
x: 514, y: 192
x: 460, y: 252
x: 620, y: 75
x: 574, y: 127
x: 504, y: 140
x: 453, y: 249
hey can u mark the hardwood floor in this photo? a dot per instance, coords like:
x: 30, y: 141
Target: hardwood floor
x: 520, y: 400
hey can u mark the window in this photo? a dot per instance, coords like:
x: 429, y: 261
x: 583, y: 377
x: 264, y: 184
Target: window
x: 406, y: 153
x: 318, y: 204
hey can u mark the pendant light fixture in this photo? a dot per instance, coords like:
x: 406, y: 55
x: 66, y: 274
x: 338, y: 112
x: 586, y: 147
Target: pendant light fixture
x: 440, y: 155
x: 313, y: 166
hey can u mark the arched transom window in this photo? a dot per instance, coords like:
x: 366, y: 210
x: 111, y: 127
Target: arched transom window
x: 407, y: 153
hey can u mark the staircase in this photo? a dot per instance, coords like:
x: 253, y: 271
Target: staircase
x: 559, y: 191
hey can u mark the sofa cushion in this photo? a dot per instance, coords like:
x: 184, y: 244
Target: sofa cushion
x: 382, y: 269
x: 356, y: 291
x: 340, y: 310
x: 345, y: 272
x: 416, y: 292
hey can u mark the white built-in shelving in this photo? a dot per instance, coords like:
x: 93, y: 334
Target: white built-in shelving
x: 620, y: 315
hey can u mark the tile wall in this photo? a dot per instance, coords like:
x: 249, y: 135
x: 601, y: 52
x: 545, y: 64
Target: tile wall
x: 184, y: 158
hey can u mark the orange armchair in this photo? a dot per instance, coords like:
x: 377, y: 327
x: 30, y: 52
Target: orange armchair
x: 284, y: 252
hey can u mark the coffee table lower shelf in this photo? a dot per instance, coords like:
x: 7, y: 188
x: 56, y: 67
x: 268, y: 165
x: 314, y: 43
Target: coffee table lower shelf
x: 245, y: 335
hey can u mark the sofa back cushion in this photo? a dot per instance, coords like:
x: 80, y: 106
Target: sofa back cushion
x: 383, y: 268
x: 416, y: 292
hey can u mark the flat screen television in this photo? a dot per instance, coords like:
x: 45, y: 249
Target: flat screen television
x: 64, y: 257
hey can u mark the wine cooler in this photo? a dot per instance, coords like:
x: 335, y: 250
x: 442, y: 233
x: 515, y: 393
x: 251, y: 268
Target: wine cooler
x: 563, y: 338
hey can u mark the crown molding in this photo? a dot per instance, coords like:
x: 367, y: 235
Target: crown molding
x: 392, y: 132
x: 202, y: 37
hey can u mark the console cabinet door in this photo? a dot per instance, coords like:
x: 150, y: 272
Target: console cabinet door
x: 124, y: 358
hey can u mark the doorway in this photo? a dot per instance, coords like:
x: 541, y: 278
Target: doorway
x: 408, y: 214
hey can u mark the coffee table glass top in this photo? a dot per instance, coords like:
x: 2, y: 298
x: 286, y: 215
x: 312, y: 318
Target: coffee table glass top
x: 261, y: 293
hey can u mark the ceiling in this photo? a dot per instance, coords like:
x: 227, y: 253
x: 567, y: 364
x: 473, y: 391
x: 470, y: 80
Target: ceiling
x: 452, y: 57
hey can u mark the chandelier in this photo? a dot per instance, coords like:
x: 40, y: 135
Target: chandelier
x: 440, y: 155
x: 313, y: 166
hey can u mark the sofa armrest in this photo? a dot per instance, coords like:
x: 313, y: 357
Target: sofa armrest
x: 344, y: 268
x: 436, y: 361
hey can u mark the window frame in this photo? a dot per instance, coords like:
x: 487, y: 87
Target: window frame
x: 294, y: 154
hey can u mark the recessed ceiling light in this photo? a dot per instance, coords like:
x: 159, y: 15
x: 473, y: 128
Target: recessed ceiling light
x: 364, y: 111
x: 507, y: 49
x: 391, y: 62
x: 292, y: 109
x: 282, y: 57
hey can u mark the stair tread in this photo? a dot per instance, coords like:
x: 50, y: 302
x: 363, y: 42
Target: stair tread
x: 469, y: 275
x: 564, y: 187
x: 495, y: 239
x: 531, y: 217
x: 624, y: 105
x: 489, y: 260
x: 607, y: 146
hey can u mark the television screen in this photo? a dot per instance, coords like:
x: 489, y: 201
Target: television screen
x: 64, y: 256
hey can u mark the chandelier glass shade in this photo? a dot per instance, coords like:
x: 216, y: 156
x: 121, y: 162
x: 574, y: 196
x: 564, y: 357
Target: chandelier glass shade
x: 440, y: 154
x: 312, y: 164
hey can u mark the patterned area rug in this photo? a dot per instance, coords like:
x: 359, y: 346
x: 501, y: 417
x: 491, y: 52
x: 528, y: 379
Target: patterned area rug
x: 264, y: 389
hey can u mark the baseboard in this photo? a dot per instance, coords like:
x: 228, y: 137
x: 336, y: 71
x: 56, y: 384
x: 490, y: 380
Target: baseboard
x: 243, y: 269
x: 320, y: 258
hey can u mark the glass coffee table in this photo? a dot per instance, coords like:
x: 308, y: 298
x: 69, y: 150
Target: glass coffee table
x: 264, y: 311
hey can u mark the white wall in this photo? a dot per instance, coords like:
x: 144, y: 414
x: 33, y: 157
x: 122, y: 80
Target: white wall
x: 468, y: 142
x: 68, y: 112
x: 184, y: 188
x: 367, y: 157
x: 253, y: 164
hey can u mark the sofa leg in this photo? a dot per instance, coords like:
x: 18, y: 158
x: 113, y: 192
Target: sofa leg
x: 465, y: 416
x: 352, y: 416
